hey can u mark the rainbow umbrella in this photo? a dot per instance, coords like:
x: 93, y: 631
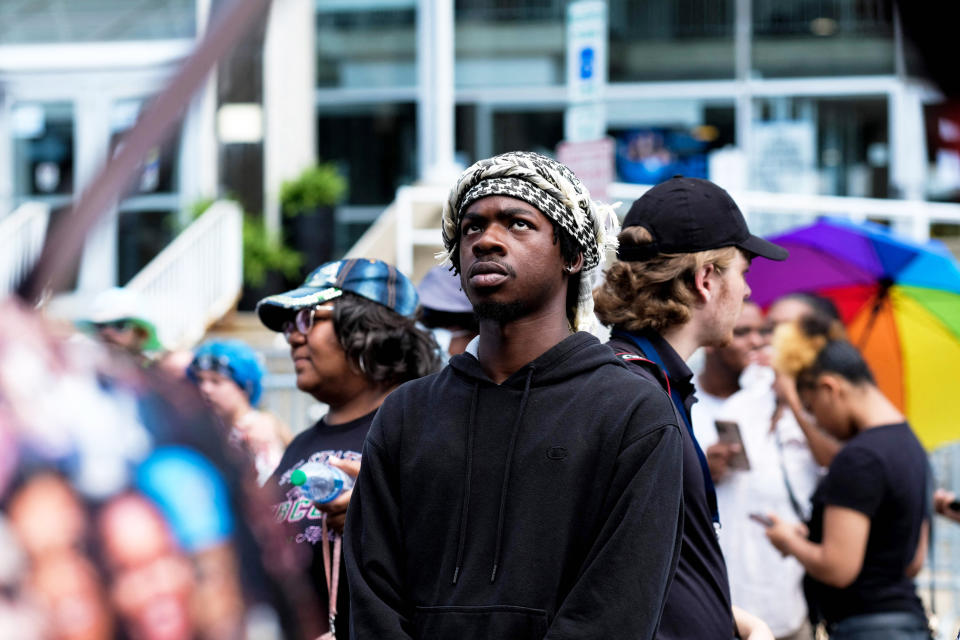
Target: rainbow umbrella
x: 900, y: 301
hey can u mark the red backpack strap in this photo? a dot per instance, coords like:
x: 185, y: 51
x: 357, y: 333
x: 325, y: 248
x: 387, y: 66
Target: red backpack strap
x: 648, y: 366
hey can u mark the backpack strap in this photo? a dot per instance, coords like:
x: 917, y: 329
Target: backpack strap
x: 645, y: 366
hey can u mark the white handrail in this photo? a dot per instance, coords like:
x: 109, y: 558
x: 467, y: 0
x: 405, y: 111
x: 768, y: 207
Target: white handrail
x: 772, y: 212
x: 766, y: 213
x: 197, y: 278
x: 21, y: 239
x: 408, y: 235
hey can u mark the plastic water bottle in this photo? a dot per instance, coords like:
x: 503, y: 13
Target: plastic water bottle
x: 320, y: 482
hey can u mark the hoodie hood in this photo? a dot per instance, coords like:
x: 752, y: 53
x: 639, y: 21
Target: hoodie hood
x: 576, y: 354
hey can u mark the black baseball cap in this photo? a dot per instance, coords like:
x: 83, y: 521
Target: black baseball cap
x: 688, y: 215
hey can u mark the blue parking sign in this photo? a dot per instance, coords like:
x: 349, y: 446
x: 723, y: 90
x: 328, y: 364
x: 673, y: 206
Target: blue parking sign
x: 587, y: 56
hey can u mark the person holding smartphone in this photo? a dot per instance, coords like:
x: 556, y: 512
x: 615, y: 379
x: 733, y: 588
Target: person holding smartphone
x: 760, y: 461
x: 946, y: 504
x: 867, y: 536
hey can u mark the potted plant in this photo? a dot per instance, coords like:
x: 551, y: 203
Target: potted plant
x: 307, y: 203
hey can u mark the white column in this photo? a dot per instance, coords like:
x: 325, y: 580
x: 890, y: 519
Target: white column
x: 6, y: 158
x: 908, y: 153
x: 743, y: 119
x: 289, y: 110
x: 98, y: 265
x: 908, y: 140
x: 199, y: 164
x: 435, y: 84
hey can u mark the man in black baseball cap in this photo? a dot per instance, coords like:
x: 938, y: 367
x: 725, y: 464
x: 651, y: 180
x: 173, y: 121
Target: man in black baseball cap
x: 687, y: 215
x: 678, y: 284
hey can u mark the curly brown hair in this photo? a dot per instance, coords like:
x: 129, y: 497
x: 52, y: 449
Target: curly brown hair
x: 654, y: 294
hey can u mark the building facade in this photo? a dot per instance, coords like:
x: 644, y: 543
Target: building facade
x: 812, y: 97
x: 797, y: 96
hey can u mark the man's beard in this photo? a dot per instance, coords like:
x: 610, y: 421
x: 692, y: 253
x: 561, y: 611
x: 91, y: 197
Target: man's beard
x: 501, y: 312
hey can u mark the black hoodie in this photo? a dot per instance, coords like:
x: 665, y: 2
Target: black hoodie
x: 548, y: 506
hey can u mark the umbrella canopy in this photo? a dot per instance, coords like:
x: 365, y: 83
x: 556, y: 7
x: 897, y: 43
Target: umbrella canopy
x: 900, y: 300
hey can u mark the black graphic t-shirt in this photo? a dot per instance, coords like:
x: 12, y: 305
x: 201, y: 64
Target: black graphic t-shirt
x: 300, y: 516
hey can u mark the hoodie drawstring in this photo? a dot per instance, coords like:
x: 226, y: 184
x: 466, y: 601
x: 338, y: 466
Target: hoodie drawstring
x: 465, y: 505
x: 506, y: 472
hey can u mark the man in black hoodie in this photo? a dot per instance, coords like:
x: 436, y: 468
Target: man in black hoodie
x: 678, y: 284
x: 531, y: 489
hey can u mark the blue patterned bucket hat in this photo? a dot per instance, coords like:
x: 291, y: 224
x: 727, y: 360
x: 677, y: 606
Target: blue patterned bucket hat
x: 373, y: 279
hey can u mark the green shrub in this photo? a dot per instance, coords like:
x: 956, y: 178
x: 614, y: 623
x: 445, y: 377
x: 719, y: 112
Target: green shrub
x: 318, y: 186
x: 263, y: 254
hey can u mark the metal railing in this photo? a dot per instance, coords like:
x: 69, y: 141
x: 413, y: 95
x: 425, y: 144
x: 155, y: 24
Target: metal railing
x: 766, y: 213
x: 408, y: 235
x: 769, y: 213
x: 197, y: 278
x: 21, y: 239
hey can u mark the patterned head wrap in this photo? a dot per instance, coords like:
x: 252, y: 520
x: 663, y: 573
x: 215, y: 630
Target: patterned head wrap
x: 557, y: 193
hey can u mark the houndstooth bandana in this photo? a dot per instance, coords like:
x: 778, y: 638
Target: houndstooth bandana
x: 557, y: 193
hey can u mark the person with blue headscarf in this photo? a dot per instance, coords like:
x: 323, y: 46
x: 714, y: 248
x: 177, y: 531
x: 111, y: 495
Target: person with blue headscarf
x: 229, y: 376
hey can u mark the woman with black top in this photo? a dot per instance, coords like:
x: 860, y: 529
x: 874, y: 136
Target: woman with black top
x: 353, y: 340
x: 867, y: 537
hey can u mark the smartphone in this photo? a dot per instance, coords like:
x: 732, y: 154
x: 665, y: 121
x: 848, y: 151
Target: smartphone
x: 955, y: 505
x: 762, y: 519
x: 728, y: 432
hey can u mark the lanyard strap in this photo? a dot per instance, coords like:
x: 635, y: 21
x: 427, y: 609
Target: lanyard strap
x: 647, y: 350
x: 332, y: 573
x: 791, y: 495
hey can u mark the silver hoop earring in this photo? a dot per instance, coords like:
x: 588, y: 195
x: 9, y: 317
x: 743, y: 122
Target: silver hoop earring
x: 363, y: 369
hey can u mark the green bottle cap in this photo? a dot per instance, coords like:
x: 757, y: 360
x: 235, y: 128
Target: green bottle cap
x: 298, y: 477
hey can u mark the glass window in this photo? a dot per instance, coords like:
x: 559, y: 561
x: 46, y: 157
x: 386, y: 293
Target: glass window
x: 43, y: 152
x: 797, y: 38
x: 829, y: 146
x: 141, y: 235
x: 671, y: 40
x: 465, y: 134
x: 538, y: 131
x: 374, y: 146
x: 366, y: 43
x: 148, y: 213
x: 514, y: 43
x: 158, y: 174
x: 46, y: 21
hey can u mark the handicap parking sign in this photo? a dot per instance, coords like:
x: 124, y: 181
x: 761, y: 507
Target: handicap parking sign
x: 587, y: 57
